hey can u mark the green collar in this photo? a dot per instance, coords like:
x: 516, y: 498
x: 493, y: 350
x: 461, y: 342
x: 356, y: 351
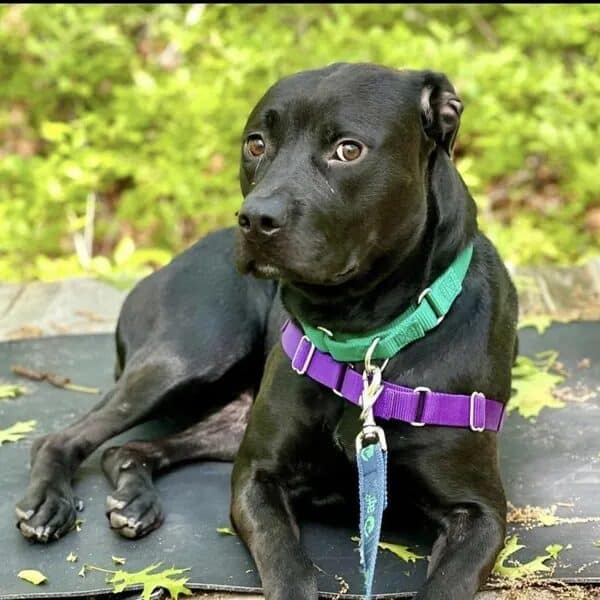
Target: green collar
x: 421, y: 317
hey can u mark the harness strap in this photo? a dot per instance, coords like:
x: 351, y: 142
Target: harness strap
x: 419, y: 406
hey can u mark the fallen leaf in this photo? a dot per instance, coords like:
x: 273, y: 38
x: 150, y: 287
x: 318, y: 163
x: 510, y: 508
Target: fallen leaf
x: 536, y: 516
x: 596, y: 544
x: 32, y: 576
x: 540, y: 322
x: 533, y: 384
x: 82, y: 572
x: 72, y: 557
x: 11, y: 391
x: 77, y: 525
x: 554, y: 550
x: 17, y: 431
x: 118, y: 560
x: 401, y: 552
x: 121, y: 580
x: 226, y: 531
x: 519, y: 571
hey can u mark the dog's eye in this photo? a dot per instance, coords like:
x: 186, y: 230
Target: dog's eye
x: 255, y: 145
x: 348, y: 151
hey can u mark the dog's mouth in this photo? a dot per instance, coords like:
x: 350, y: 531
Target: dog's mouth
x: 265, y: 270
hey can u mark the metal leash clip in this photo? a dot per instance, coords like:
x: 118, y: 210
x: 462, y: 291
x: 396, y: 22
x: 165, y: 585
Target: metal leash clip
x: 372, y: 389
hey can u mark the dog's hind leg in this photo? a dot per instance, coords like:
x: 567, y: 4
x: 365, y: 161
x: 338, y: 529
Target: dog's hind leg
x: 134, y: 508
x: 48, y: 508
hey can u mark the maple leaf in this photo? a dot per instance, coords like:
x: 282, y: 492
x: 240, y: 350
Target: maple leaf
x: 519, y: 571
x: 77, y: 525
x: 32, y: 576
x: 121, y: 580
x: 401, y: 552
x: 17, y: 431
x: 534, y: 383
x: 554, y: 550
x: 11, y: 391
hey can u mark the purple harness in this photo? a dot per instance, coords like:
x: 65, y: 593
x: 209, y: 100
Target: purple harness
x: 419, y: 406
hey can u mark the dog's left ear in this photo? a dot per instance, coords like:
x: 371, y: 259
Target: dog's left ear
x: 440, y: 109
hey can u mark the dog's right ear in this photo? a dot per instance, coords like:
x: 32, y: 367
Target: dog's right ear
x: 440, y: 110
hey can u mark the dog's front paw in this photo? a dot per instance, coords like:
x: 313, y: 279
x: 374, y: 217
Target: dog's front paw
x: 134, y: 509
x: 47, y: 513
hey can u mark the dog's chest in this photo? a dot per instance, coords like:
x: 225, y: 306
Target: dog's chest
x: 346, y: 430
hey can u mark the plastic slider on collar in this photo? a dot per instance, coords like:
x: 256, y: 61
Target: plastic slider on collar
x: 477, y: 412
x: 310, y: 353
x: 422, y: 392
x: 425, y: 295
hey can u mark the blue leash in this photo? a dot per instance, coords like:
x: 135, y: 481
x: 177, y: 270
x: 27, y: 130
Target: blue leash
x: 372, y: 488
x: 371, y: 459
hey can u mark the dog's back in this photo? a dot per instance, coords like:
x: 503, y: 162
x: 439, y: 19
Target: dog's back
x: 198, y: 302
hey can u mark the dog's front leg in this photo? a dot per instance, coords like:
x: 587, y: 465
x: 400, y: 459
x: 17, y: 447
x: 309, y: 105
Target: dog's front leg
x: 262, y: 515
x: 464, y: 553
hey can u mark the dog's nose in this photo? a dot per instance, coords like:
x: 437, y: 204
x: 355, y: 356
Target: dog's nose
x: 261, y: 217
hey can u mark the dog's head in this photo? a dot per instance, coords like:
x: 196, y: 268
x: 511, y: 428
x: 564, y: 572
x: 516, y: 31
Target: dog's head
x: 343, y: 166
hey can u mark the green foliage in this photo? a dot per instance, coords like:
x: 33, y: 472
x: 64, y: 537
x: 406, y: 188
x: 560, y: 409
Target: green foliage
x: 135, y: 111
x: 533, y: 383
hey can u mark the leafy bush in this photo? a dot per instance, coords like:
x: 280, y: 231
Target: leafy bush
x: 120, y: 124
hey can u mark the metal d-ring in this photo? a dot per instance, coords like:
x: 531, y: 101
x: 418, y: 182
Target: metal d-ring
x: 369, y: 366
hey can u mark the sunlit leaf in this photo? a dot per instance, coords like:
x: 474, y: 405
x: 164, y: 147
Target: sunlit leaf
x: 521, y: 570
x: 17, y: 432
x: 32, y: 576
x: 11, y: 391
x: 402, y: 552
x: 149, y: 578
x: 226, y: 531
x: 533, y: 384
x: 554, y: 550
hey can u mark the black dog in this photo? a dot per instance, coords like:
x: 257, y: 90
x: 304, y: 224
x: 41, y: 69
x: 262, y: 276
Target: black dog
x: 353, y: 204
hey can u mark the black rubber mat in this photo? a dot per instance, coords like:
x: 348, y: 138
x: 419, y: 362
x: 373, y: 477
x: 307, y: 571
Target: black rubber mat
x: 554, y: 461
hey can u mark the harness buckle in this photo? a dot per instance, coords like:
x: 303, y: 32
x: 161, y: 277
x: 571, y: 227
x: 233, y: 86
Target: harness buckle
x: 308, y: 358
x: 425, y: 390
x: 424, y: 295
x: 472, y: 426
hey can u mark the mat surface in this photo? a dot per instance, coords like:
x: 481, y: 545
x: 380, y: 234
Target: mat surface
x: 554, y: 461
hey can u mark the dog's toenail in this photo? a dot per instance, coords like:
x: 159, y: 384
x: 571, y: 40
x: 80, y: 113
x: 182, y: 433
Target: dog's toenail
x: 114, y: 504
x: 22, y: 514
